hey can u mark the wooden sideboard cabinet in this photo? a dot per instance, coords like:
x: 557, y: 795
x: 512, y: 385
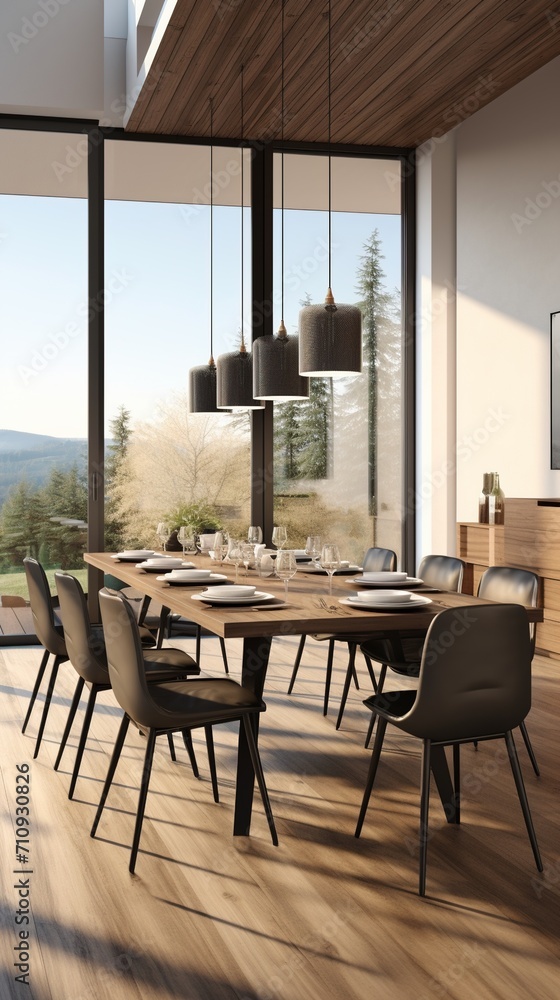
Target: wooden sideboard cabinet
x: 529, y: 539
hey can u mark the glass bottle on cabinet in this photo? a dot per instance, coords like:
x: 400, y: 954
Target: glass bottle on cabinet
x: 483, y: 498
x: 496, y: 501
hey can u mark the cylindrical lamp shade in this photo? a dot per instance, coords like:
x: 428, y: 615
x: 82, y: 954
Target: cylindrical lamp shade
x: 202, y: 389
x: 276, y: 369
x: 235, y: 382
x: 330, y: 341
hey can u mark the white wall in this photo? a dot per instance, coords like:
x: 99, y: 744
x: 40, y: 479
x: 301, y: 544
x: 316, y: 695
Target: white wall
x: 51, y: 57
x: 508, y: 276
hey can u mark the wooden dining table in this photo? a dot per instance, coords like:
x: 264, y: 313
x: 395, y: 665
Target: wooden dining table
x: 309, y: 609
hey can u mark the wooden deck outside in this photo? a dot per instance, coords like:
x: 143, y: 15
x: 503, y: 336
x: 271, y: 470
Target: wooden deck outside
x: 212, y: 917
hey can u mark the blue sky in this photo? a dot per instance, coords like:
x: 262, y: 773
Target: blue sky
x: 157, y: 288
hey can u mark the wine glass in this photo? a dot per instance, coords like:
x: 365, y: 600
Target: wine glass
x: 183, y: 536
x: 286, y: 567
x: 235, y: 554
x: 254, y: 535
x: 313, y: 548
x: 279, y: 537
x: 248, y: 553
x: 218, y: 549
x: 330, y: 561
x: 163, y: 531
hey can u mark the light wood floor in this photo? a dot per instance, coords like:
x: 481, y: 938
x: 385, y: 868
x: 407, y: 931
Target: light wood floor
x: 321, y: 916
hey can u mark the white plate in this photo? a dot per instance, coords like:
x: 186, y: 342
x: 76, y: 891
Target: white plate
x: 161, y: 565
x: 384, y: 596
x: 214, y: 578
x: 259, y: 597
x: 387, y: 577
x: 416, y: 601
x: 411, y: 581
x: 137, y: 557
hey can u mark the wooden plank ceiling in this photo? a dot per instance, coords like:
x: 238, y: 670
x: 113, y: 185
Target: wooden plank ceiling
x: 402, y: 70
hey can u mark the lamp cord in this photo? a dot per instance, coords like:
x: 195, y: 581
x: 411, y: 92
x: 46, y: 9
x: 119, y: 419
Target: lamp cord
x: 282, y: 170
x: 211, y: 233
x: 242, y: 214
x: 329, y: 91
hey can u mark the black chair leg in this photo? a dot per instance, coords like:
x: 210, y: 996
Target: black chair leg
x: 328, y: 677
x: 57, y: 661
x: 224, y: 653
x: 70, y: 720
x: 146, y: 772
x: 172, y: 753
x: 424, y: 808
x: 83, y: 737
x: 36, y: 686
x: 350, y: 671
x: 259, y: 774
x: 297, y: 663
x: 212, y: 761
x: 457, y: 781
x: 379, y: 688
x: 187, y: 740
x: 354, y: 674
x: 197, y: 652
x: 512, y: 753
x: 530, y: 750
x: 377, y: 747
x: 121, y: 736
x: 371, y: 672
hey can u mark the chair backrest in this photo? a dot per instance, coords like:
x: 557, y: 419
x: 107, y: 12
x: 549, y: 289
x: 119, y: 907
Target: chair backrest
x: 509, y: 585
x: 12, y: 601
x: 443, y: 572
x: 41, y: 608
x: 475, y: 675
x: 379, y: 560
x: 86, y: 648
x: 124, y: 658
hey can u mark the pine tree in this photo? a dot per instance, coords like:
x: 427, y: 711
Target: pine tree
x: 21, y: 523
x: 115, y: 474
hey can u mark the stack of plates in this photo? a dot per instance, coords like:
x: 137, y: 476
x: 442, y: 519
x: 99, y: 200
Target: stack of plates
x: 384, y: 580
x: 160, y: 563
x: 386, y: 600
x: 133, y: 555
x: 233, y: 595
x: 191, y: 577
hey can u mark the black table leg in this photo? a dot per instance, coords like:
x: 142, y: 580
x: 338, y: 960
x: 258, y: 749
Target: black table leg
x: 253, y: 672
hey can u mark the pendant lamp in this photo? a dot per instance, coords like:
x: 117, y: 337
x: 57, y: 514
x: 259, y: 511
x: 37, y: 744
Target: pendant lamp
x: 235, y: 369
x: 202, y: 379
x: 330, y: 335
x: 276, y: 359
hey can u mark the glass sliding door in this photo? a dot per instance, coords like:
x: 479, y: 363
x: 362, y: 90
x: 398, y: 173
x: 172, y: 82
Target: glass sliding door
x: 43, y: 318
x: 338, y: 457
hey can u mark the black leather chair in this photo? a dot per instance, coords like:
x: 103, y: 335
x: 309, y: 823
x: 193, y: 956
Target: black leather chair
x: 508, y: 585
x: 376, y: 560
x: 167, y: 707
x: 49, y: 634
x: 402, y: 651
x: 475, y: 687
x: 86, y: 648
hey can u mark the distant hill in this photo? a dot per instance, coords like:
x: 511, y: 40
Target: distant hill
x: 32, y: 456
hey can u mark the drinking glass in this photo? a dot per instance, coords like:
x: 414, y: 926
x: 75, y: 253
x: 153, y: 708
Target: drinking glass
x: 279, y: 537
x: 313, y: 548
x: 330, y: 561
x: 235, y: 554
x: 254, y: 535
x: 183, y: 536
x: 248, y: 553
x: 163, y: 531
x: 286, y: 567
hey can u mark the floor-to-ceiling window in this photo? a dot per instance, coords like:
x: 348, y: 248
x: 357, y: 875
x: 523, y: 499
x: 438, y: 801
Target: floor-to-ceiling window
x: 338, y: 457
x: 44, y: 322
x: 163, y: 463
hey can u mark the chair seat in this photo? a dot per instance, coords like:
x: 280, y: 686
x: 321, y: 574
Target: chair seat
x: 393, y: 705
x: 402, y: 654
x: 168, y: 664
x: 178, y: 704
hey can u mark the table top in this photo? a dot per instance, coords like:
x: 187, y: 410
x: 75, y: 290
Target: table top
x: 309, y: 608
